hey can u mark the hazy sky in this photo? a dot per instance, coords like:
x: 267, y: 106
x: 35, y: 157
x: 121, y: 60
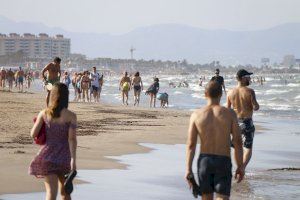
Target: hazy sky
x: 118, y: 16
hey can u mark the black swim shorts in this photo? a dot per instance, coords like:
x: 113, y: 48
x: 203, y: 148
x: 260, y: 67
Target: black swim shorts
x: 214, y: 173
x: 247, y: 131
x: 95, y: 89
x: 137, y: 88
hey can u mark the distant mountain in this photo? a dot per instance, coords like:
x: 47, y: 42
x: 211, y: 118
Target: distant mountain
x: 177, y: 42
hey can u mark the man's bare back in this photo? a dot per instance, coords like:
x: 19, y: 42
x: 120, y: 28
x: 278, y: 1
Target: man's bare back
x: 243, y: 101
x: 214, y: 125
x: 53, y: 71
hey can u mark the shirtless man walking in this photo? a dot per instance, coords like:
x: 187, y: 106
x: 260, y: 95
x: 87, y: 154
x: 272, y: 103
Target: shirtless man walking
x: 20, y: 78
x: 243, y: 101
x: 214, y: 124
x: 54, y: 74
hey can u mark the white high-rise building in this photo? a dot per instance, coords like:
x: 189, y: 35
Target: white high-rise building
x: 41, y: 46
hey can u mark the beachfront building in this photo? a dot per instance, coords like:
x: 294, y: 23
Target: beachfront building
x: 41, y: 46
x: 289, y: 61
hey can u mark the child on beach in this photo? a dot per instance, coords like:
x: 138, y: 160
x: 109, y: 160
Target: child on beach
x: 164, y: 99
x: 58, y: 156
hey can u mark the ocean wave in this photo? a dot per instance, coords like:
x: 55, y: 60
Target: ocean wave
x: 178, y: 92
x: 297, y: 97
x: 274, y: 91
x: 276, y: 85
x: 197, y: 95
x: 293, y: 85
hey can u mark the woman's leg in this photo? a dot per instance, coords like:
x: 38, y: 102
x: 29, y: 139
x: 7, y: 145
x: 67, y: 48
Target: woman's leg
x: 151, y: 99
x: 138, y: 97
x: 154, y: 100
x: 51, y: 186
x: 123, y: 97
x: 126, y: 94
x: 135, y: 97
x: 63, y: 194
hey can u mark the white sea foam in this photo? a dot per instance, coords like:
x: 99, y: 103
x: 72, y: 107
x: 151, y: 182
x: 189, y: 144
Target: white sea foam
x: 274, y: 91
x: 178, y: 92
x: 297, y: 97
x: 293, y: 85
x: 198, y: 95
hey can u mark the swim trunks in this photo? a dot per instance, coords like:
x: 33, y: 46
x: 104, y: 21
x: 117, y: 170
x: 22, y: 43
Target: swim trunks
x: 53, y: 81
x: 214, y: 173
x: 137, y: 88
x: 20, y: 79
x: 247, y: 131
x: 95, y: 89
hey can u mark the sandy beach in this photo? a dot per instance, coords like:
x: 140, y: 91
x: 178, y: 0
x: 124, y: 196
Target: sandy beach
x: 103, y: 130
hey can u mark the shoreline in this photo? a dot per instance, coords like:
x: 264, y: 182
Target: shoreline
x: 103, y: 130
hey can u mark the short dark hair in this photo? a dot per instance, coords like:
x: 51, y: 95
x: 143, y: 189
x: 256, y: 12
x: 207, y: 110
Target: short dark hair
x: 137, y: 74
x: 57, y: 60
x: 213, y: 89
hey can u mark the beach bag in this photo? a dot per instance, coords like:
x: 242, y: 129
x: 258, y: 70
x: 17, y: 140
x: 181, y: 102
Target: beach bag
x: 125, y: 86
x: 40, y: 139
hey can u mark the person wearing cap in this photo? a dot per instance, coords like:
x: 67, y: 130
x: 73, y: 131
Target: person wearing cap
x: 243, y: 100
x: 219, y: 79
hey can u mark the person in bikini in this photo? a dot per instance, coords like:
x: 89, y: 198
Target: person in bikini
x: 74, y: 77
x: 85, y: 85
x: 214, y: 125
x: 137, y: 87
x: 124, y: 86
x: 54, y: 73
x: 243, y: 101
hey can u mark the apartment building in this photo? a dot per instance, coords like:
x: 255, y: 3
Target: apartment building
x: 41, y: 46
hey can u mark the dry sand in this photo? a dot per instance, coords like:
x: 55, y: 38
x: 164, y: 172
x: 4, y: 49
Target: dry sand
x: 103, y: 130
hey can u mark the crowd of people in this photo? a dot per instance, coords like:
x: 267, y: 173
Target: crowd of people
x: 16, y: 78
x: 219, y: 128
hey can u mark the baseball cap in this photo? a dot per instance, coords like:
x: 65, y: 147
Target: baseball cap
x: 243, y: 72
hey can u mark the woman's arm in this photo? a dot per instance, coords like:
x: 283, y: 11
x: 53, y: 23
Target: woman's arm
x: 37, y: 125
x: 73, y: 140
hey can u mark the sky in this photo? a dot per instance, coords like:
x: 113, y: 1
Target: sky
x: 121, y: 16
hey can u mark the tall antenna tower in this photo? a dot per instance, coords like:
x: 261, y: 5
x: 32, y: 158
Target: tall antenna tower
x: 131, y: 51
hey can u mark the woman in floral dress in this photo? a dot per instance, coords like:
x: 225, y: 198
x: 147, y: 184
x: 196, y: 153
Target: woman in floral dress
x: 58, y: 156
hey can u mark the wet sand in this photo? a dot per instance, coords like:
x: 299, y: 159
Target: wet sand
x: 103, y: 130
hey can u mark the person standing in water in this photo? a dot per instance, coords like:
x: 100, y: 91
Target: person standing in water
x: 219, y: 79
x: 152, y: 91
x: 137, y: 87
x: 58, y: 156
x: 243, y: 101
x: 20, y: 77
x: 54, y: 73
x: 214, y: 125
x: 124, y: 86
